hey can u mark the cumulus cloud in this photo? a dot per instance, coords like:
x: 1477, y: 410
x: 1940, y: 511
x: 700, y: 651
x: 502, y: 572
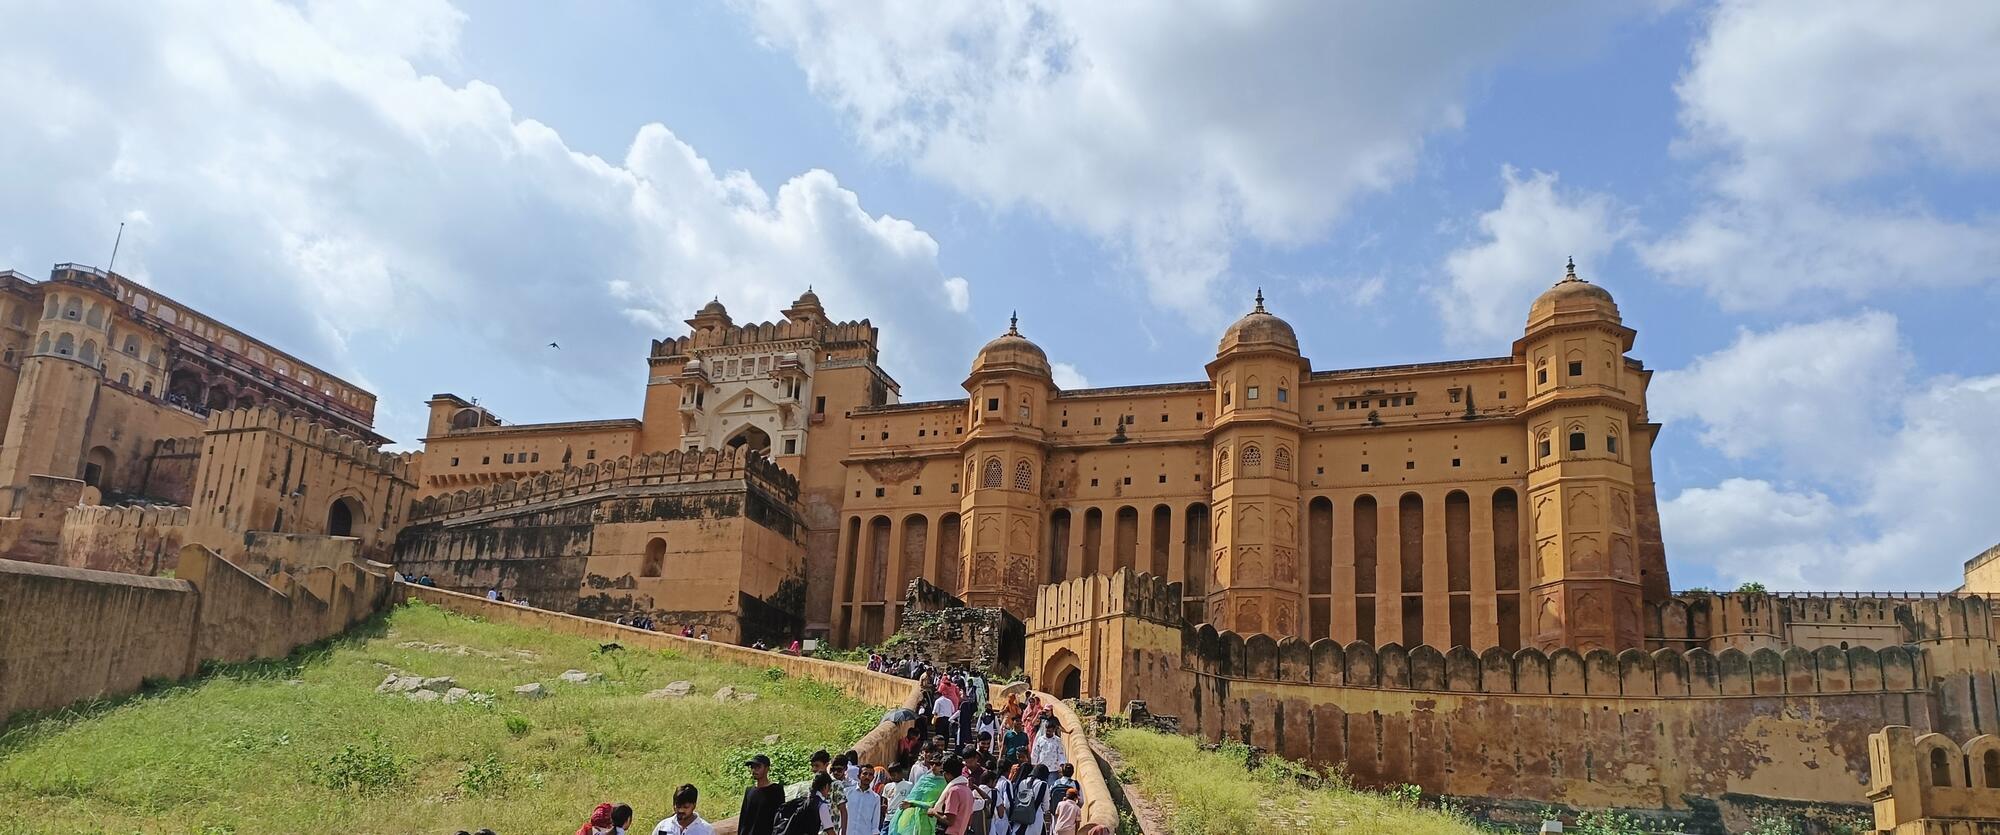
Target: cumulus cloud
x: 1811, y: 114
x: 301, y: 173
x: 1905, y: 463
x: 1067, y: 377
x: 1521, y: 249
x: 1172, y: 135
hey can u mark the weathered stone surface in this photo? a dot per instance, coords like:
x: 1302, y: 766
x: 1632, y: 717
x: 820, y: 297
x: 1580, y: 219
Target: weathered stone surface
x: 531, y: 690
x: 423, y: 695
x: 581, y: 677
x: 438, y: 684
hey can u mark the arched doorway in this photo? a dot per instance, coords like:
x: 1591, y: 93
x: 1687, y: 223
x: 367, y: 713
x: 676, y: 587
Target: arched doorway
x: 342, y: 516
x: 752, y: 438
x: 97, y: 467
x: 1062, y: 677
x: 656, y: 558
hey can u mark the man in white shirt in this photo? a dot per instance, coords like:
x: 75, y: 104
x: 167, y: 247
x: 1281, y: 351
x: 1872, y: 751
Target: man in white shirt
x: 864, y: 807
x: 944, y: 708
x: 684, y: 821
x: 893, y: 791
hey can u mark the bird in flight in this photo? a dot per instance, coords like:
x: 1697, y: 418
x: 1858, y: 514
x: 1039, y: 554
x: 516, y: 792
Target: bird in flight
x: 555, y: 346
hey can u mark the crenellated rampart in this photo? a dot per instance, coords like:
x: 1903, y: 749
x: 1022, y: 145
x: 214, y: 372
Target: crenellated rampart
x: 132, y: 539
x: 328, y: 440
x: 1709, y: 738
x: 1753, y: 620
x: 827, y: 333
x: 673, y: 467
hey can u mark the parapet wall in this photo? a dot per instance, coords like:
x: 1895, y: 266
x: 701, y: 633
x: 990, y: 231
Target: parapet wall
x: 763, y: 332
x: 674, y: 467
x: 1082, y: 599
x: 1716, y: 620
x: 77, y: 634
x: 327, y: 439
x: 1663, y: 673
x: 133, y: 539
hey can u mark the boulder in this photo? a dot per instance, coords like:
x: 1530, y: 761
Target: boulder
x: 456, y: 695
x: 581, y: 677
x: 679, y: 688
x: 437, y: 684
x: 531, y: 690
x: 399, y: 684
x: 423, y: 695
x: 726, y: 693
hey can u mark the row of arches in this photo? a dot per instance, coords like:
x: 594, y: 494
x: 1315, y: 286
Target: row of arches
x: 1250, y: 461
x: 990, y: 474
x: 73, y: 309
x: 877, y: 559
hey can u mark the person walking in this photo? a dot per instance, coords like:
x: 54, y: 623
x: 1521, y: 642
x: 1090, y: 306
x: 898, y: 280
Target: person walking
x: 954, y: 807
x: 1030, y: 801
x: 684, y: 821
x: 864, y: 806
x: 759, y: 812
x: 1068, y: 812
x: 1003, y: 799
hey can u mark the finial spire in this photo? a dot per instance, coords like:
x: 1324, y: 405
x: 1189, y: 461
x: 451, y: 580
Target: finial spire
x: 1572, y: 267
x: 1014, y: 323
x: 1260, y: 301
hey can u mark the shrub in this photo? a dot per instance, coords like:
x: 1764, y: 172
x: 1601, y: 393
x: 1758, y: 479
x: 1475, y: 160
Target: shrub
x: 361, y: 769
x: 518, y: 726
x: 488, y: 776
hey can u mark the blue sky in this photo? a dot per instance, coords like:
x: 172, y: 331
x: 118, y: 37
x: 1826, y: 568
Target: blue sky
x: 1794, y: 204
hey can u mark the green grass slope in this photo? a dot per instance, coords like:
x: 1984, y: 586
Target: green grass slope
x: 1213, y: 793
x: 308, y: 745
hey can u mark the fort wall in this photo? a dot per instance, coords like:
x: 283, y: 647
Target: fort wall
x: 133, y: 540
x: 77, y: 634
x: 1651, y: 730
x: 262, y: 471
x: 707, y: 539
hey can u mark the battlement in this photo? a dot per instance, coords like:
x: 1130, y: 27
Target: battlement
x: 1126, y: 593
x: 130, y: 516
x: 673, y: 467
x: 825, y: 333
x: 1663, y: 673
x: 1699, y: 618
x: 401, y: 466
x: 1927, y: 783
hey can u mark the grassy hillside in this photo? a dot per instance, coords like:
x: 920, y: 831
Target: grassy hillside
x: 1213, y: 793
x: 308, y: 745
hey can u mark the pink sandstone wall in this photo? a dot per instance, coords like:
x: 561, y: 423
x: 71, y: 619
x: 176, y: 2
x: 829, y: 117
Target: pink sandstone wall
x: 134, y: 540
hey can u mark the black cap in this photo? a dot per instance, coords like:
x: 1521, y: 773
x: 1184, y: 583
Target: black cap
x: 760, y: 759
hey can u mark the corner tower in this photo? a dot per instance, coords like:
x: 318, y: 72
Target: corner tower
x: 1584, y: 406
x: 1257, y: 585
x: 1007, y: 398
x: 58, y: 386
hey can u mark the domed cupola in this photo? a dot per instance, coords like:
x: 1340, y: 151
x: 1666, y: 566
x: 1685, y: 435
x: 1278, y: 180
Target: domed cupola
x: 1570, y: 296
x: 1258, y: 329
x: 1011, y: 352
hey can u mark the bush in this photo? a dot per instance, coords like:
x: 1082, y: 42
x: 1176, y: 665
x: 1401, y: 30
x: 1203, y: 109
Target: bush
x: 1607, y: 823
x: 488, y: 776
x: 518, y: 726
x: 361, y: 769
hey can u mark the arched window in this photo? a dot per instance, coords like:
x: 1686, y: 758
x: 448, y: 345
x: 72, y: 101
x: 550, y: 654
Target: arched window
x: 1251, y: 390
x: 73, y: 309
x: 1025, y: 411
x: 1222, y: 463
x: 125, y: 379
x: 96, y: 317
x: 131, y: 345
x: 1578, y: 441
x: 1225, y: 395
x: 1024, y: 475
x: 42, y: 344
x: 1992, y: 768
x: 989, y: 476
x: 1282, y: 459
x: 65, y: 345
x: 1940, y: 768
x: 1542, y: 372
x: 1542, y: 446
x: 89, y: 352
x: 656, y: 558
x: 49, y: 308
x: 1252, y: 457
x: 1611, y: 442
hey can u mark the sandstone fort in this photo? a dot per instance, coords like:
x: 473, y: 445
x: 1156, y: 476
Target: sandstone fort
x: 1449, y: 574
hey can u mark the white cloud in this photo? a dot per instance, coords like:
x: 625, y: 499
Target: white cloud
x: 1810, y: 107
x: 1523, y: 245
x: 1795, y: 392
x: 294, y: 171
x: 1906, y: 464
x: 1175, y: 134
x: 1067, y: 377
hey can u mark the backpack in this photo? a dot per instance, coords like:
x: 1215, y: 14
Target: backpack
x: 799, y: 816
x: 1027, y: 808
